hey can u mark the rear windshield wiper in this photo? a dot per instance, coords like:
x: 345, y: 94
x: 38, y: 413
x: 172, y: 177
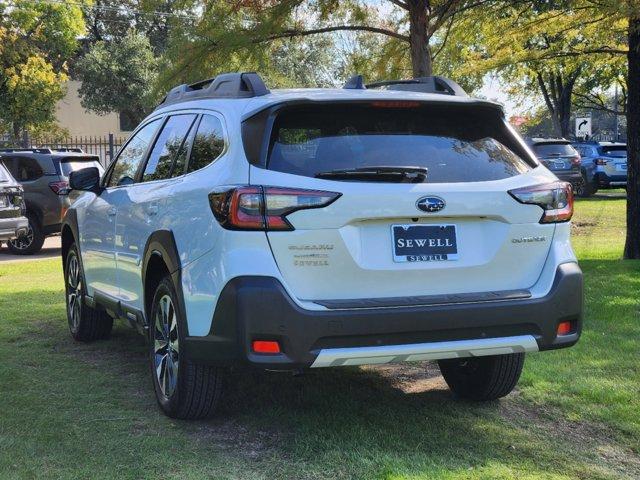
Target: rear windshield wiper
x: 378, y: 174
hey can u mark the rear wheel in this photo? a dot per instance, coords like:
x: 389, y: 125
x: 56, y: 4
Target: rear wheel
x: 29, y: 243
x: 85, y: 323
x: 584, y: 188
x: 483, y: 378
x: 183, y: 389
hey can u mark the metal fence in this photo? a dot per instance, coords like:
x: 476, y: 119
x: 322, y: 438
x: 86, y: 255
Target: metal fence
x: 105, y: 146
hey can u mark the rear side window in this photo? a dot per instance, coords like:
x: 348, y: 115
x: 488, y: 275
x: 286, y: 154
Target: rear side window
x: 168, y: 156
x: 132, y: 155
x: 455, y: 144
x: 554, y: 150
x: 23, y: 169
x: 208, y: 143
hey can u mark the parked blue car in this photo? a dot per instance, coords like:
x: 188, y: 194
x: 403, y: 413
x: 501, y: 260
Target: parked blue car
x: 604, y: 165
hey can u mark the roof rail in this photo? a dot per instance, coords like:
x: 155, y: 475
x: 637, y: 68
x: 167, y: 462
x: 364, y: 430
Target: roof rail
x: 32, y: 150
x: 225, y: 85
x: 433, y: 84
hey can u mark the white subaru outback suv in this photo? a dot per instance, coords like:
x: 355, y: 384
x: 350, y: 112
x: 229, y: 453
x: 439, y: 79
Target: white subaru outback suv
x: 292, y: 229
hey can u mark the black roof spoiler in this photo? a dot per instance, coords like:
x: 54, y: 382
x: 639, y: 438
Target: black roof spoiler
x: 225, y: 85
x: 45, y: 150
x: 432, y: 84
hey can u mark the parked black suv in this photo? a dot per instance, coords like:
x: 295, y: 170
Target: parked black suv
x: 12, y: 220
x: 44, y: 174
x: 559, y: 156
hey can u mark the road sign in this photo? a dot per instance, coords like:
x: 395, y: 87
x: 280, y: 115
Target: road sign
x: 583, y: 127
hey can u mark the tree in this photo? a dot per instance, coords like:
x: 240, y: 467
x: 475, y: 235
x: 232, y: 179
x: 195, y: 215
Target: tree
x: 534, y: 46
x: 411, y: 28
x: 632, y: 244
x: 119, y: 76
x: 36, y: 38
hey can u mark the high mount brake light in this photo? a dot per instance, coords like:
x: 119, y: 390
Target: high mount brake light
x: 556, y: 199
x: 264, y: 208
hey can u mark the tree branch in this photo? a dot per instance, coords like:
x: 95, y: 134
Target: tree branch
x: 400, y: 4
x: 353, y: 28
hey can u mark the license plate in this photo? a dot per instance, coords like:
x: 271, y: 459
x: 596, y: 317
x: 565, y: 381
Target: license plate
x: 621, y: 167
x: 424, y: 243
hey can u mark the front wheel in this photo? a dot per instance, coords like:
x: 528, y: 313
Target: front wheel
x: 483, y: 378
x: 29, y: 243
x: 183, y: 389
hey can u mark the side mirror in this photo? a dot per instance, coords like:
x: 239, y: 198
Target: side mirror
x: 86, y: 179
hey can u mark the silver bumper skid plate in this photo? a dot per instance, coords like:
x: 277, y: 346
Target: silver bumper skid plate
x: 416, y: 352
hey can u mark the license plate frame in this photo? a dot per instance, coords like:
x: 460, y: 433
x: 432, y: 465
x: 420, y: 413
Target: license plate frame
x: 435, y: 247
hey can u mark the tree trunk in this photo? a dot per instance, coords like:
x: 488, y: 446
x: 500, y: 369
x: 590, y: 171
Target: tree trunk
x: 421, y: 61
x: 632, y: 246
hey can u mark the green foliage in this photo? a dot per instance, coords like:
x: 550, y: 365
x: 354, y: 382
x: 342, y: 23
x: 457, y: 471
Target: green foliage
x: 118, y: 76
x: 36, y: 39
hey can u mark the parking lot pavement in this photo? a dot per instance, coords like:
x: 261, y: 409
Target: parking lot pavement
x: 50, y: 249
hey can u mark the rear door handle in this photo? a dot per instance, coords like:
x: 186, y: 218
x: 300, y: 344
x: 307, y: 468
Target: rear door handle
x: 112, y: 211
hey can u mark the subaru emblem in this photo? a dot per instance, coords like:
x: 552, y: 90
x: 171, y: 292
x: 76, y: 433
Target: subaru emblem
x: 430, y: 204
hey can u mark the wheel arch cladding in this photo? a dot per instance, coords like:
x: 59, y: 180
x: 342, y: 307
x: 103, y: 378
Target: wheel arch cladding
x: 161, y: 258
x: 69, y: 234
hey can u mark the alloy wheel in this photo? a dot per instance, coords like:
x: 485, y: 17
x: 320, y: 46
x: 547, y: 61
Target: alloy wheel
x: 74, y: 293
x: 23, y: 242
x: 166, y: 348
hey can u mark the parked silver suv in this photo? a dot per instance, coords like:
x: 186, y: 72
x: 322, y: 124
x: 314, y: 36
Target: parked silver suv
x: 12, y: 220
x: 44, y: 174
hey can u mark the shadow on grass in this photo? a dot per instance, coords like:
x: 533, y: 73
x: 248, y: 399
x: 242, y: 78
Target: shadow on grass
x: 357, y: 423
x: 604, y: 196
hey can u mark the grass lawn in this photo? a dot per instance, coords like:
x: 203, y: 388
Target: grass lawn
x: 87, y: 411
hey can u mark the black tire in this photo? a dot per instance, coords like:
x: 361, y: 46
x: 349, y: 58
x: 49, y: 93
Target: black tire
x: 482, y: 378
x: 183, y: 389
x: 86, y: 324
x: 585, y: 189
x: 31, y: 242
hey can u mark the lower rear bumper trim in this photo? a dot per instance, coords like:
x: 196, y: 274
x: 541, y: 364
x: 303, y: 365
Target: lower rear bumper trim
x: 335, y: 357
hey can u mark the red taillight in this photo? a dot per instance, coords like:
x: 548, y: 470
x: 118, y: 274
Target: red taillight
x: 564, y: 328
x: 600, y: 161
x: 556, y: 199
x: 265, y: 346
x: 264, y: 208
x: 59, y: 188
x: 576, y: 161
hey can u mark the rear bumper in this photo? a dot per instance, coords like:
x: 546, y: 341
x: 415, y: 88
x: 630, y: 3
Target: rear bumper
x: 571, y: 176
x: 610, y: 181
x: 11, y: 228
x: 258, y: 308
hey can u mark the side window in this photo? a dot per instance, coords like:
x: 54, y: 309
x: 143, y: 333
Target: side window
x: 208, y: 143
x: 168, y: 156
x: 26, y: 169
x: 127, y: 163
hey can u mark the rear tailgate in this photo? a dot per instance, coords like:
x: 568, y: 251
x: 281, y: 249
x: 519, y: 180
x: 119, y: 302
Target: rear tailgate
x: 375, y: 241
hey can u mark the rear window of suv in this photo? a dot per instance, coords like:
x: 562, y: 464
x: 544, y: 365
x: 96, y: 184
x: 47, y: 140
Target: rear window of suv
x: 615, y: 151
x: 70, y: 164
x: 554, y: 150
x: 455, y: 144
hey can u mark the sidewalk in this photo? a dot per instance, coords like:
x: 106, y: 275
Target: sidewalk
x: 50, y: 249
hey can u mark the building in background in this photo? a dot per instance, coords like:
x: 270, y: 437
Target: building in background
x: 79, y: 122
